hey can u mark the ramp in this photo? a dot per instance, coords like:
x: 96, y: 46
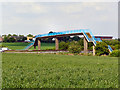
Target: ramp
x: 110, y: 49
x: 94, y: 40
x: 29, y: 46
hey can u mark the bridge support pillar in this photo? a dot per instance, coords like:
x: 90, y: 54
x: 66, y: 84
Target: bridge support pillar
x: 34, y: 47
x: 93, y: 50
x: 56, y: 43
x: 39, y: 44
x: 85, y: 46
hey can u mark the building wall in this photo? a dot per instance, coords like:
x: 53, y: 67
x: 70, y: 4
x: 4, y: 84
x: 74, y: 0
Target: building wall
x: 104, y: 37
x: 28, y: 38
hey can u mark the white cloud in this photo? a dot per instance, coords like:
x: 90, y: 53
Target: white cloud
x: 81, y: 7
x: 59, y: 0
x: 26, y: 7
x: 71, y: 8
x: 42, y: 17
x: 12, y: 20
x: 31, y: 8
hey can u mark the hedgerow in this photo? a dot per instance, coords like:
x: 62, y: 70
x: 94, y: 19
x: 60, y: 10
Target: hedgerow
x: 115, y: 53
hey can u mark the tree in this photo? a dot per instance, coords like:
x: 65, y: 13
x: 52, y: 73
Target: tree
x: 101, y: 48
x: 51, y: 32
x: 12, y: 39
x: 5, y: 39
x: 9, y: 35
x: 29, y: 35
x: 76, y: 38
x: 63, y: 45
x: 49, y: 40
x: 24, y: 38
x: 65, y: 38
x: 14, y: 35
x: 74, y: 47
x: 81, y: 43
x: 20, y: 38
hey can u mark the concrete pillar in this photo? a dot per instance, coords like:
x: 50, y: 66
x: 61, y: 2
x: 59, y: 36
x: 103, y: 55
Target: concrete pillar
x: 56, y: 43
x: 93, y: 50
x: 34, y: 47
x: 85, y: 46
x: 39, y: 44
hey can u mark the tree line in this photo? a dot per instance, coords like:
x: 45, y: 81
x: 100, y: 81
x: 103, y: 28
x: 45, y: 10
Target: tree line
x: 15, y: 38
x: 22, y: 38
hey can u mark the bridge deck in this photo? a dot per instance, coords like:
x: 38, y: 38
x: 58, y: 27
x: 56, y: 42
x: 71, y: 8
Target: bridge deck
x: 64, y: 33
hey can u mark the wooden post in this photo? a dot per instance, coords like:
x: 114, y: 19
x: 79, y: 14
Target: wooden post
x: 85, y: 46
x: 93, y: 50
x: 39, y: 44
x: 56, y: 43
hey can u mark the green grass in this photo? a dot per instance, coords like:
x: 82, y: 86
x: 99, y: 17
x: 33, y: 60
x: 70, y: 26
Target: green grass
x: 16, y: 45
x: 45, y: 46
x: 58, y: 71
x: 22, y: 45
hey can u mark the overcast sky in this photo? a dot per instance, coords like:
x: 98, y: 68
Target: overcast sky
x: 41, y: 17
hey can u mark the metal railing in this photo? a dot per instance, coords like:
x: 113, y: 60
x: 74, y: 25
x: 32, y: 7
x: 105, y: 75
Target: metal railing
x: 86, y: 36
x: 64, y: 32
x: 110, y: 48
x: 29, y: 45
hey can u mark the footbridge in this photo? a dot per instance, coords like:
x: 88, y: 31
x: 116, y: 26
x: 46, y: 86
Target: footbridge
x: 88, y: 37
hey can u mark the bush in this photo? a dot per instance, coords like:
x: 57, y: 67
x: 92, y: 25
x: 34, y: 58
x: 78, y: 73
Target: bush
x: 74, y: 47
x: 63, y: 45
x: 81, y: 43
x: 113, y: 47
x: 101, y: 49
x: 111, y: 42
x: 115, y: 53
x: 117, y: 46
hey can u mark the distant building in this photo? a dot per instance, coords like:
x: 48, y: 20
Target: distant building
x: 104, y: 37
x: 29, y: 38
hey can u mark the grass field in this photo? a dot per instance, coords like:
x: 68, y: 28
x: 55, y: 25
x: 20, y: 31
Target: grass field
x: 58, y: 71
x: 22, y: 45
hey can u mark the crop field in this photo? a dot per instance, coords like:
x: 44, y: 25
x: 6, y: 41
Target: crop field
x: 58, y: 71
x: 22, y: 45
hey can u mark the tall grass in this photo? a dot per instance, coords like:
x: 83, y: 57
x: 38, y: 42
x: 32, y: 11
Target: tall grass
x: 58, y: 71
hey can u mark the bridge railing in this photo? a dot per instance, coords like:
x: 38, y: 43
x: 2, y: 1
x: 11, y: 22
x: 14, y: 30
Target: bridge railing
x: 29, y: 45
x: 64, y: 32
x: 86, y: 36
x: 110, y: 48
x: 93, y: 37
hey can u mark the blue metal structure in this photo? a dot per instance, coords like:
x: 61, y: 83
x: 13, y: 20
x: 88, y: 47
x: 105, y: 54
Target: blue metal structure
x: 71, y: 32
x: 110, y: 48
x: 31, y: 44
